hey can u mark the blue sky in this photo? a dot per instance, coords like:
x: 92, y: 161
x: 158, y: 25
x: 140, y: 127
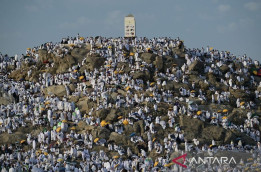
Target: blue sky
x: 232, y: 25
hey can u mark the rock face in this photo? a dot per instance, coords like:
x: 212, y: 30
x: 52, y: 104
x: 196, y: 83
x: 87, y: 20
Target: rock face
x: 141, y: 75
x: 94, y: 62
x: 196, y: 66
x: 58, y: 90
x: 205, y: 133
x: 148, y: 57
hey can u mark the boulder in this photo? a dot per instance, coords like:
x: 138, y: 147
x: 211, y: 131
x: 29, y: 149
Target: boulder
x: 141, y: 75
x: 158, y: 63
x: 79, y: 53
x: 94, y: 62
x: 112, y: 116
x: 58, y: 90
x: 196, y: 66
x: 119, y: 139
x: 148, y: 57
x: 101, y: 133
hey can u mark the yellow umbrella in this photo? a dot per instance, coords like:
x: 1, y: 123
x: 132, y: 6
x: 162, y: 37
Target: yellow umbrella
x: 141, y: 65
x: 127, y: 88
x: 96, y: 140
x: 58, y: 129
x: 75, y: 71
x: 121, y: 71
x: 151, y: 95
x: 119, y: 117
x: 125, y: 122
x: 156, y: 163
x: 242, y: 103
x: 64, y: 121
x: 224, y: 117
x: 151, y: 84
x: 38, y: 152
x: 211, y: 48
x: 81, y: 77
x: 193, y: 91
x: 28, y: 48
x: 199, y: 112
x: 255, y: 72
x: 116, y: 165
x: 109, y: 47
x: 219, y: 111
x: 213, y: 117
x: 115, y: 72
x: 115, y: 157
x: 22, y: 141
x: 131, y: 54
x: 153, y: 139
x: 59, y: 160
x: 168, y: 165
x: 103, y: 123
x: 45, y: 153
x: 225, y: 110
x: 108, y: 65
x: 73, y: 128
x: 47, y: 103
x: 81, y: 38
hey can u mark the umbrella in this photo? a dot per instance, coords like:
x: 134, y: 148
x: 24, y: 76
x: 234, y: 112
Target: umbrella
x: 242, y: 103
x: 151, y: 84
x: 58, y: 129
x: 45, y: 153
x: 64, y: 121
x: 115, y: 72
x: 103, y: 123
x: 125, y: 122
x: 168, y: 165
x: 22, y: 141
x: 121, y: 71
x: 224, y: 117
x: 225, y: 110
x: 193, y: 91
x: 81, y: 38
x: 132, y: 134
x: 120, y: 117
x: 81, y: 77
x: 199, y: 112
x: 115, y: 157
x: 153, y: 139
x: 156, y: 163
x: 73, y: 128
x: 59, y: 160
x: 127, y: 88
x: 96, y: 140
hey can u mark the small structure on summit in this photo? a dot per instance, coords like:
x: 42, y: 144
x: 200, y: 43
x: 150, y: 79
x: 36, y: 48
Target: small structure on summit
x: 130, y: 26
